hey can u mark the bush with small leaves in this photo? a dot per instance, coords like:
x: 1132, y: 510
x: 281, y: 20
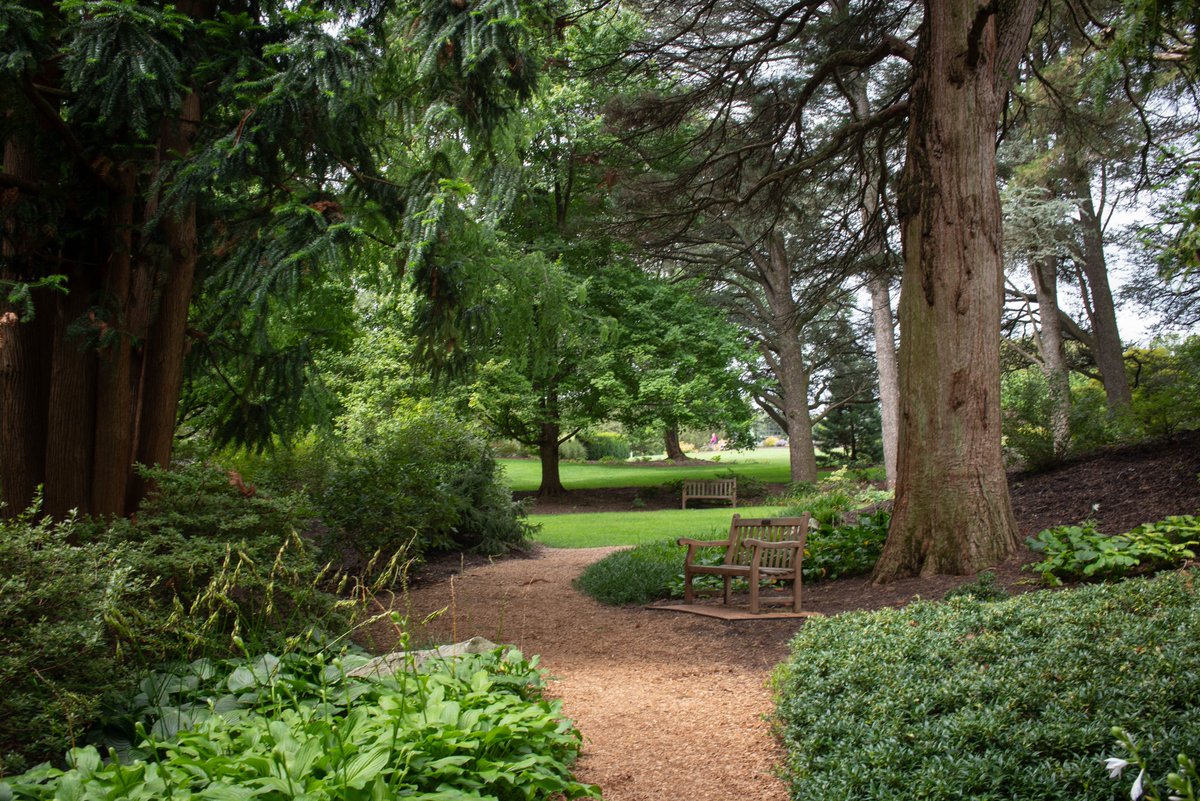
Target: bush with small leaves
x: 1010, y: 699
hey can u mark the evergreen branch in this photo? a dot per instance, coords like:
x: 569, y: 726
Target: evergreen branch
x: 51, y: 115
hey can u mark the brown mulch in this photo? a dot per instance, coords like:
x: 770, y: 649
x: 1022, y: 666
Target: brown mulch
x: 672, y: 706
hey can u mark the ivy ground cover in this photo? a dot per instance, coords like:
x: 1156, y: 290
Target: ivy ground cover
x: 1013, y: 699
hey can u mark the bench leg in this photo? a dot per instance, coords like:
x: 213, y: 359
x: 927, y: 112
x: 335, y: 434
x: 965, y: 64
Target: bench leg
x: 796, y: 592
x: 754, y: 593
x: 728, y: 590
x: 689, y: 594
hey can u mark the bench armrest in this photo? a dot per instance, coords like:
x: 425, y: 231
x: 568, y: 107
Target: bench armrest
x: 771, y: 545
x: 691, y: 543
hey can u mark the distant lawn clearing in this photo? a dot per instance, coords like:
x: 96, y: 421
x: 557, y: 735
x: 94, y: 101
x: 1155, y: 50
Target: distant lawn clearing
x: 597, y: 529
x: 769, y: 465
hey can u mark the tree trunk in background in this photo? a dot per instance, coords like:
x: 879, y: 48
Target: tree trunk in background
x: 114, y: 392
x: 792, y: 372
x: 166, y: 340
x: 881, y: 303
x: 548, y: 446
x: 952, y: 512
x: 69, y: 440
x: 889, y: 379
x: 1054, y: 357
x: 1107, y: 349
x: 24, y: 371
x: 671, y: 440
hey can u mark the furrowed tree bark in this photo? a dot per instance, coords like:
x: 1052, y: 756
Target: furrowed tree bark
x: 952, y: 512
x: 1107, y: 349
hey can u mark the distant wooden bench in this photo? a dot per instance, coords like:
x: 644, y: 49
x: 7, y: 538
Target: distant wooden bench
x: 757, y: 548
x: 716, y: 489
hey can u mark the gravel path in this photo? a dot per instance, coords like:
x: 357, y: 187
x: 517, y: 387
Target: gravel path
x: 671, y: 706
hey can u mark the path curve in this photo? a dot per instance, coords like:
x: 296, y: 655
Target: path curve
x: 671, y: 706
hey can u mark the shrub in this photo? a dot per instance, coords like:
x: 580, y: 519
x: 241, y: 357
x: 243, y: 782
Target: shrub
x: 600, y: 444
x: 475, y: 728
x: 572, y: 451
x: 838, y: 550
x: 417, y: 481
x: 57, y: 600
x: 1082, y: 552
x: 85, y: 604
x: 1011, y: 699
x: 638, y: 575
x: 511, y: 449
x: 770, y: 442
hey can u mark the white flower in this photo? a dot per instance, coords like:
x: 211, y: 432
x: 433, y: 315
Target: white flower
x: 1137, y: 790
x: 1114, y: 767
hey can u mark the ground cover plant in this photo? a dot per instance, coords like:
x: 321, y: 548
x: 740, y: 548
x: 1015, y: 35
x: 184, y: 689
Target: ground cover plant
x: 475, y: 727
x: 1081, y: 552
x: 1010, y: 699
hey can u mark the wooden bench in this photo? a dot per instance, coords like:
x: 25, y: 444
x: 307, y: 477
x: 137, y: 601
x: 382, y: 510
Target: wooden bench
x: 757, y: 548
x: 717, y: 489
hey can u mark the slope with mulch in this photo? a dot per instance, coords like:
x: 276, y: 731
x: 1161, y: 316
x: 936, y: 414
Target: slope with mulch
x: 672, y: 706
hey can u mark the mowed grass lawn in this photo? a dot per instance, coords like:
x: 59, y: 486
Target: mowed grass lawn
x: 764, y: 464
x: 596, y: 529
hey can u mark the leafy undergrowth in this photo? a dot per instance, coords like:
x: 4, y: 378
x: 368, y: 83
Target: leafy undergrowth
x: 1082, y: 552
x: 476, y: 727
x: 1013, y: 699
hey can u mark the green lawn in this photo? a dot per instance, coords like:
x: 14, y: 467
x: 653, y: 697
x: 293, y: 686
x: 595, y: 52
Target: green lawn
x: 594, y: 529
x: 764, y: 464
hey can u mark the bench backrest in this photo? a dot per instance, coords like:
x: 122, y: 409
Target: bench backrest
x: 715, y: 486
x: 767, y: 529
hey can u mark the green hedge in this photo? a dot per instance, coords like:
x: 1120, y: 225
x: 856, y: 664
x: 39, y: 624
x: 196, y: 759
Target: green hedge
x: 1007, y: 700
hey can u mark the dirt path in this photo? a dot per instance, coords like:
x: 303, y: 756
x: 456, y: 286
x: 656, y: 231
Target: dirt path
x: 670, y: 705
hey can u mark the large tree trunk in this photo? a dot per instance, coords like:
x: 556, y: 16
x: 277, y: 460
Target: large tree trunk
x: 953, y: 513
x: 889, y: 379
x: 24, y: 367
x: 548, y: 445
x: 671, y: 440
x: 791, y: 370
x: 70, y: 436
x: 1054, y: 357
x: 115, y: 398
x: 1107, y: 349
x: 166, y: 340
